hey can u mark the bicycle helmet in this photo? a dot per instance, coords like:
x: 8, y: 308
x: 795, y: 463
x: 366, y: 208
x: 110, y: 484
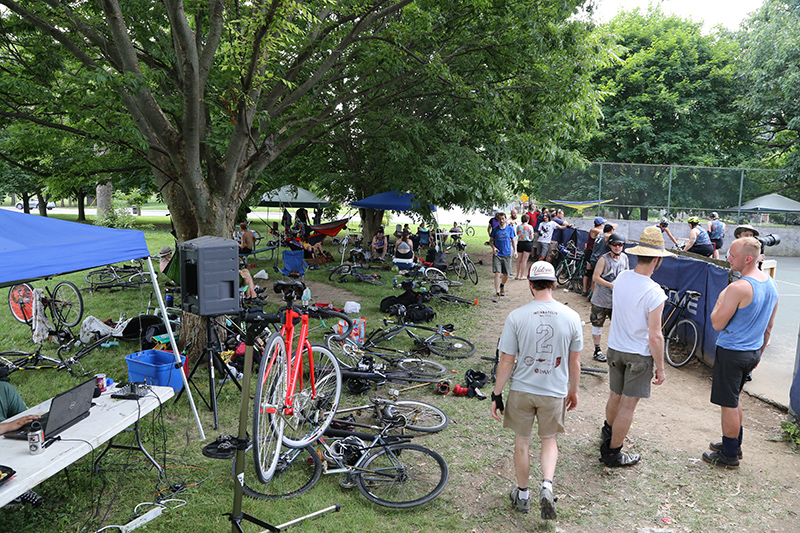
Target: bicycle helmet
x: 476, y: 378
x: 714, y: 214
x: 693, y: 220
x: 664, y: 222
x: 397, y: 310
x: 358, y: 386
x: 616, y: 237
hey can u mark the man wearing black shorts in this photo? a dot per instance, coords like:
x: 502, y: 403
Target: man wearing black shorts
x: 744, y: 316
x: 635, y: 345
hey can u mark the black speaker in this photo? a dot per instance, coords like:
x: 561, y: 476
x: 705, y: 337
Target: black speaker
x: 210, y: 276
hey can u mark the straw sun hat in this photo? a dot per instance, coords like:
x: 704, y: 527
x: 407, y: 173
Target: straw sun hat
x: 651, y: 244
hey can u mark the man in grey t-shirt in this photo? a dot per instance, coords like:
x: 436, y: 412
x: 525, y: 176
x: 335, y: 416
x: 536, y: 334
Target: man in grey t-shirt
x: 540, y: 355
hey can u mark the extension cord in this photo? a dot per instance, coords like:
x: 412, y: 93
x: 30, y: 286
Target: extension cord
x: 142, y: 520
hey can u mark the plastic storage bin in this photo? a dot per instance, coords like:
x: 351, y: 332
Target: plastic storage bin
x: 155, y: 367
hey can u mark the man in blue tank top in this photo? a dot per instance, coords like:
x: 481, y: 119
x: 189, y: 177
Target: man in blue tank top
x: 744, y: 315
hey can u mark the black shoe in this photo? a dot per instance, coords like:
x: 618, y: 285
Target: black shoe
x: 721, y: 460
x: 614, y: 458
x: 29, y: 497
x: 254, y: 302
x: 717, y: 447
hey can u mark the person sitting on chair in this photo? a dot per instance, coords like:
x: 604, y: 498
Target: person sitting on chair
x: 404, y: 252
x: 248, y: 241
x: 379, y: 244
x: 164, y: 257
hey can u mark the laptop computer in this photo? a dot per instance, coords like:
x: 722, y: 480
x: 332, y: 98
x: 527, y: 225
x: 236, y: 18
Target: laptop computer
x: 66, y: 410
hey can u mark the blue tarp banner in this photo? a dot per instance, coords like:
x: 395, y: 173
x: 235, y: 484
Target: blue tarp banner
x: 681, y: 273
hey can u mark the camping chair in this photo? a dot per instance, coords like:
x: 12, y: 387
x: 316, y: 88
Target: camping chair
x: 294, y: 266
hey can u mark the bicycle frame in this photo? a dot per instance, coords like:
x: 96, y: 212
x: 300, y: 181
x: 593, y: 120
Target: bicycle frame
x: 678, y: 310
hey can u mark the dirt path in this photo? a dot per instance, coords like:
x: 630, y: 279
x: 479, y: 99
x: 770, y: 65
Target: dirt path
x: 671, y: 488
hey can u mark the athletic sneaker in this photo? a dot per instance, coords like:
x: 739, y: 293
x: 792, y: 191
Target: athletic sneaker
x: 717, y: 447
x: 599, y: 356
x: 29, y: 497
x: 548, y: 504
x: 523, y: 506
x: 502, y: 290
x: 721, y: 460
x: 496, y: 297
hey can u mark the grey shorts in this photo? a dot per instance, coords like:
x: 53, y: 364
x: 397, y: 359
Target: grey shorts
x: 501, y: 263
x: 542, y: 248
x: 522, y: 408
x: 629, y: 374
x: 729, y: 374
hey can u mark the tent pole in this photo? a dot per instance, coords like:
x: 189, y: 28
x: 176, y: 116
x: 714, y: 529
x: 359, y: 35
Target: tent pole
x: 174, y: 345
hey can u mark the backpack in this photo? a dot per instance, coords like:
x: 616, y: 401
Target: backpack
x: 407, y: 298
x: 419, y: 313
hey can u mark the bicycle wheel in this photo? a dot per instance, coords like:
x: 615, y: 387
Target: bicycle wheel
x: 457, y: 266
x: 100, y: 277
x: 268, y: 419
x: 562, y: 273
x: 470, y: 231
x: 422, y: 367
x: 339, y: 273
x: 67, y: 304
x: 347, y: 352
x: 434, y: 274
x: 421, y: 416
x: 314, y: 405
x: 681, y: 343
x: 140, y: 278
x: 453, y: 299
x: 373, y: 279
x: 403, y: 475
x: 450, y: 346
x: 297, y: 472
x: 472, y: 272
x: 20, y: 301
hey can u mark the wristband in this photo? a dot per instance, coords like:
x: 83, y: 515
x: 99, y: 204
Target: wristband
x: 498, y: 401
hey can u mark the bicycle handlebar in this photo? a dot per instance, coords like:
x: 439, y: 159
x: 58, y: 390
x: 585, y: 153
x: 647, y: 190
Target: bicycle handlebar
x: 319, y: 312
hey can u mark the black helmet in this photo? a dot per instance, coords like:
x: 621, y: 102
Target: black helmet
x: 664, y: 222
x: 616, y: 237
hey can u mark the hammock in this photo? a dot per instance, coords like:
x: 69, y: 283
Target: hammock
x: 580, y: 206
x: 331, y: 229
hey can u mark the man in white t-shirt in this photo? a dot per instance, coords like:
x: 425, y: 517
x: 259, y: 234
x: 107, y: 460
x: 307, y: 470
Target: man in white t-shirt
x: 635, y: 345
x: 540, y: 354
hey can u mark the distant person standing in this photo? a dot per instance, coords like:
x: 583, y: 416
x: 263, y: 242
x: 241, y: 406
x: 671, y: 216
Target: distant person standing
x: 248, y: 241
x: 503, y: 243
x: 744, y: 315
x: 524, y: 246
x: 716, y: 231
x: 608, y: 268
x: 699, y: 241
x: 540, y: 355
x: 587, y: 253
x: 635, y: 345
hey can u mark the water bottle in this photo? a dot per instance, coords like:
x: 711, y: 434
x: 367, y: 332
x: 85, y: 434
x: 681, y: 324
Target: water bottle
x: 306, y: 296
x: 36, y: 438
x: 169, y: 300
x: 394, y: 283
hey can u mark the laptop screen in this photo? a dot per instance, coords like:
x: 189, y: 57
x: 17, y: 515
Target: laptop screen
x: 69, y: 407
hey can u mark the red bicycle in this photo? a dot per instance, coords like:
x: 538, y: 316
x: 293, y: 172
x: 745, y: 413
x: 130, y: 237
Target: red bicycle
x: 294, y: 403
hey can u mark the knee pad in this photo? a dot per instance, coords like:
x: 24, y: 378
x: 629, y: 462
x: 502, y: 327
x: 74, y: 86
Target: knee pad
x: 596, y: 330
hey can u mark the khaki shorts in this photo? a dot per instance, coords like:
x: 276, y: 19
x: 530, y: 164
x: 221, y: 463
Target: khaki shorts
x: 522, y: 408
x: 629, y: 373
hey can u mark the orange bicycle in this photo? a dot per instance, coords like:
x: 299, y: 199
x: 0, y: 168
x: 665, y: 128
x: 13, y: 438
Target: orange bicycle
x: 294, y: 403
x: 65, y: 303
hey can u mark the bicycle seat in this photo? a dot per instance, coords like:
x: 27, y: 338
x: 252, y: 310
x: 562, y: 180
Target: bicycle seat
x: 694, y: 295
x: 283, y: 286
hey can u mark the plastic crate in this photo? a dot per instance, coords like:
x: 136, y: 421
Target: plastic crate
x: 155, y: 367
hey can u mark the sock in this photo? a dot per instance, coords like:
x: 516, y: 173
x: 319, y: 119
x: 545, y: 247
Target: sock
x: 596, y: 348
x: 730, y: 446
x: 547, y: 484
x: 524, y: 494
x: 607, y: 425
x: 741, y: 431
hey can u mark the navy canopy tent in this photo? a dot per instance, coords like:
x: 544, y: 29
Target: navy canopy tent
x: 34, y: 247
x: 392, y: 201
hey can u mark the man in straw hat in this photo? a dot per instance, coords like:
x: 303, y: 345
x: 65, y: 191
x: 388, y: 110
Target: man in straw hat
x: 744, y: 315
x: 635, y: 345
x: 540, y: 354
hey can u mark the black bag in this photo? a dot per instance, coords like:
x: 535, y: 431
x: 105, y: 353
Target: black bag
x: 419, y: 313
x: 407, y: 298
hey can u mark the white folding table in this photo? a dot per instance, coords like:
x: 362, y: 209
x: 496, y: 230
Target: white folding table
x: 108, y: 418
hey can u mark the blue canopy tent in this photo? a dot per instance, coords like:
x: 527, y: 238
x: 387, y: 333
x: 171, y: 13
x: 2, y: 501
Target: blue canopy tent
x: 34, y: 247
x: 392, y: 201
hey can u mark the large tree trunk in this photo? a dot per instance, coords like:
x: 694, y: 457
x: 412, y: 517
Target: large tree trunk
x: 371, y: 219
x: 104, y: 193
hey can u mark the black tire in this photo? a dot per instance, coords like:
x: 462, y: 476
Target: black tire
x: 453, y: 299
x: 421, y: 416
x: 347, y: 352
x: 20, y: 301
x: 562, y: 273
x: 450, y: 346
x: 373, y: 279
x: 472, y: 272
x: 67, y: 304
x: 102, y: 277
x: 297, y: 472
x: 313, y: 413
x: 402, y: 476
x: 457, y: 266
x: 681, y: 343
x: 470, y: 231
x: 268, y: 420
x: 340, y: 272
x: 422, y: 367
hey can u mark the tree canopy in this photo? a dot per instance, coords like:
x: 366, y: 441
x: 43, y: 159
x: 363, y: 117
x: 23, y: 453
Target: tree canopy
x: 450, y: 99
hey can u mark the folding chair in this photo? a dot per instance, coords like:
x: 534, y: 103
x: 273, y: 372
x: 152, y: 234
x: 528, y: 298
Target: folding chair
x: 294, y: 266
